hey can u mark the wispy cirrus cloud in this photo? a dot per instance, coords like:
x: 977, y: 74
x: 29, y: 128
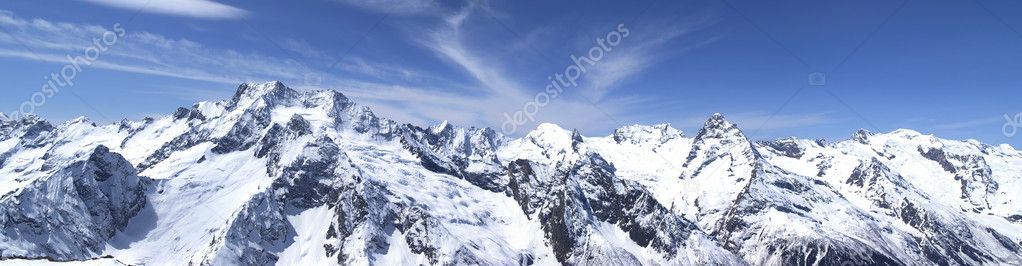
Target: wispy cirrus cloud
x: 500, y: 89
x: 140, y: 52
x: 503, y: 90
x: 380, y: 70
x: 397, y: 91
x: 644, y: 51
x: 448, y: 43
x: 148, y: 53
x: 399, y: 7
x: 204, y: 9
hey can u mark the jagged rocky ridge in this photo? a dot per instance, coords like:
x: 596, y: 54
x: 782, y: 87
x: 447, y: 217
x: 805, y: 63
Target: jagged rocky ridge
x: 70, y: 211
x: 279, y: 176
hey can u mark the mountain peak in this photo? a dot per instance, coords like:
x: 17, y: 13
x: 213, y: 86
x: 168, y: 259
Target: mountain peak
x: 667, y: 127
x: 546, y: 128
x: 908, y: 133
x: 551, y: 136
x: 258, y: 88
x: 441, y: 127
x: 862, y: 136
x: 81, y: 120
x: 716, y: 120
x: 28, y: 119
x: 19, y: 118
x: 718, y: 127
x: 576, y: 140
x: 269, y: 91
x: 717, y: 116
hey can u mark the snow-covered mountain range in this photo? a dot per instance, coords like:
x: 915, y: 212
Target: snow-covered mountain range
x: 280, y: 176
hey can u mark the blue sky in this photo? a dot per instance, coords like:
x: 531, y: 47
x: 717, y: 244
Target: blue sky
x: 950, y: 68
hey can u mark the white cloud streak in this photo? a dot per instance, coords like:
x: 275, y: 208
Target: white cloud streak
x: 642, y: 52
x: 399, y: 7
x: 204, y: 9
x: 140, y: 52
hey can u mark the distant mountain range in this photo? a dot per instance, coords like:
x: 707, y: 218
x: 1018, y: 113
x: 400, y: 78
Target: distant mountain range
x: 279, y: 176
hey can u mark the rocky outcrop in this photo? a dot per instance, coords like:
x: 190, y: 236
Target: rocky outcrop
x: 468, y: 153
x: 574, y: 205
x: 77, y: 208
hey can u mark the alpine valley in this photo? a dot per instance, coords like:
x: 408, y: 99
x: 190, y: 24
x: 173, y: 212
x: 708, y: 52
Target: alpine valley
x: 276, y: 176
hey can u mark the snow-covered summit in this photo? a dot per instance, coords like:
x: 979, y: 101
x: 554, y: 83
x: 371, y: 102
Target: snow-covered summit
x: 862, y: 136
x: 717, y: 127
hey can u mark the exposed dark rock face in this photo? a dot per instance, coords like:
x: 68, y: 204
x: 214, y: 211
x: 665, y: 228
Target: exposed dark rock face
x: 271, y: 94
x: 316, y: 178
x: 937, y: 155
x: 862, y: 136
x: 717, y: 127
x: 365, y: 219
x: 526, y: 187
x: 571, y: 203
x: 814, y: 254
x: 774, y: 190
x: 948, y: 235
x: 866, y: 174
x: 469, y: 154
x: 422, y: 232
x: 33, y: 127
x: 716, y: 140
x: 245, y: 132
x: 364, y: 121
x: 362, y: 221
x: 787, y: 147
x: 79, y: 207
x: 277, y: 137
x: 132, y: 129
x: 254, y: 236
x: 320, y: 174
x: 179, y: 143
x: 188, y: 114
x: 31, y: 131
x: 971, y: 171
